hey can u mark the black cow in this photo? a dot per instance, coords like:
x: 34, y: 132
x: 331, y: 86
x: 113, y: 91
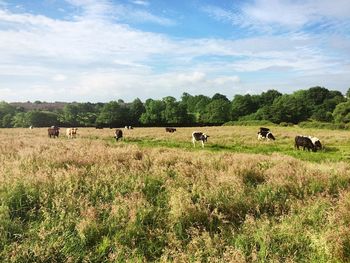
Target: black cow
x: 118, y: 134
x: 53, y: 131
x: 169, y: 129
x: 304, y: 142
x: 199, y: 136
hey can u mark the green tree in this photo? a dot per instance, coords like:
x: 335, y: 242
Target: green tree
x: 201, y: 108
x: 243, y: 105
x: 153, y: 114
x: 217, y: 111
x: 6, y: 110
x: 20, y: 120
x: 7, y: 121
x: 136, y: 110
x: 113, y: 114
x: 347, y: 94
x: 41, y: 118
x: 341, y: 112
x: 218, y: 96
x: 175, y: 112
x: 69, y: 115
x: 267, y: 98
x: 288, y: 108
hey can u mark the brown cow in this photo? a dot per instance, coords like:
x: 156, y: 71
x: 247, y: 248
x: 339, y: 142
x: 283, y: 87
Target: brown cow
x: 169, y: 129
x: 53, y: 131
x: 118, y: 134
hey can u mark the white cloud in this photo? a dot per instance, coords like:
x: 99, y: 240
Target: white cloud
x: 104, y: 60
x: 59, y: 77
x: 272, y: 15
x: 106, y: 10
x: 140, y: 2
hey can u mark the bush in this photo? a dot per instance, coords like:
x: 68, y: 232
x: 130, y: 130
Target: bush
x: 324, y: 125
x: 249, y: 123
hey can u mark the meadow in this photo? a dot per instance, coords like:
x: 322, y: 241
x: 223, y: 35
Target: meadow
x: 153, y: 197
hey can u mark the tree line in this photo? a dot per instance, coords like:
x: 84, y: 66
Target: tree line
x: 316, y: 103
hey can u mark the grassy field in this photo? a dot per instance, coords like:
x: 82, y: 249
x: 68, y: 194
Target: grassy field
x: 153, y: 197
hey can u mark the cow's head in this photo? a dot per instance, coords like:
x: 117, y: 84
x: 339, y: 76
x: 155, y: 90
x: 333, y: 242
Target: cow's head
x: 205, y: 137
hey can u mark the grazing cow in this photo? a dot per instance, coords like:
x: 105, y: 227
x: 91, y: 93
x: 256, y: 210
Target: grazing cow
x: 71, y: 133
x: 169, y: 129
x: 265, y: 133
x: 316, y: 141
x: 53, y: 131
x: 199, y: 136
x: 118, y: 134
x: 129, y: 127
x: 304, y: 142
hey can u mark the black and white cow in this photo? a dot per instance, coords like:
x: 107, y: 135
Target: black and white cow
x: 199, y: 136
x: 305, y: 142
x: 317, y: 143
x: 265, y: 133
x: 118, y: 134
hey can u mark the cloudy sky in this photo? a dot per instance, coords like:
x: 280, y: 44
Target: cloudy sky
x: 102, y: 50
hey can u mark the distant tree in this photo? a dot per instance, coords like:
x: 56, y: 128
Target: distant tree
x: 218, y: 96
x: 348, y: 93
x: 136, y: 110
x: 20, y: 120
x: 69, y: 115
x: 288, y: 108
x: 7, y: 121
x: 41, y: 118
x: 87, y: 114
x: 267, y: 98
x: 217, y: 111
x: 153, y: 114
x: 243, y: 105
x: 113, y: 114
x: 341, y: 112
x: 200, y: 108
x: 6, y: 111
x: 175, y: 112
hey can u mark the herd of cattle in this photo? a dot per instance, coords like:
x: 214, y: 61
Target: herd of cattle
x: 306, y: 142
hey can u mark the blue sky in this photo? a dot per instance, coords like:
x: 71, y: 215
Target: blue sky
x: 102, y: 50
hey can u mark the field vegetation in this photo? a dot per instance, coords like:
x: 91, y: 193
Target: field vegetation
x: 315, y: 107
x: 153, y: 197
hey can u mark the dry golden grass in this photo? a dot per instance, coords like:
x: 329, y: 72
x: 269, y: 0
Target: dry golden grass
x: 154, y: 198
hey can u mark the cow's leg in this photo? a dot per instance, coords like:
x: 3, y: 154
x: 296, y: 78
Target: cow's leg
x: 194, y: 142
x: 202, y: 144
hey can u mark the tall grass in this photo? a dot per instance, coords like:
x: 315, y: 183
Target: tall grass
x: 92, y: 199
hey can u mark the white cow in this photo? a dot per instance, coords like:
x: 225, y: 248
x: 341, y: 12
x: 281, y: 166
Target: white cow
x: 71, y: 133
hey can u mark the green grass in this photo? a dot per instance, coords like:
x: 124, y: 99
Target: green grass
x: 158, y: 199
x: 331, y: 154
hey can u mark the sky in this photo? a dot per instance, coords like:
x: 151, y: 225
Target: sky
x: 104, y: 50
